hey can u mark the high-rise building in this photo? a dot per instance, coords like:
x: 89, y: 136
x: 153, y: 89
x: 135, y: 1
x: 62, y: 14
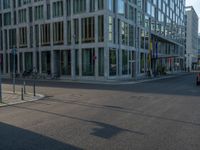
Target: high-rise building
x: 199, y: 50
x: 192, y: 20
x: 92, y: 39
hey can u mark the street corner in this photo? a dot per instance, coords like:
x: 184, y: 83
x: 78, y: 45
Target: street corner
x: 10, y: 98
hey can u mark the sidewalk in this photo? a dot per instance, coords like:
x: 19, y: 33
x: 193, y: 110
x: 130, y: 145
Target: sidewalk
x: 8, y: 98
x: 124, y: 82
x: 113, y: 82
x: 168, y: 76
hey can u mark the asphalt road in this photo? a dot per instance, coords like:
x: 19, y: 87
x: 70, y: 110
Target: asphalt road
x: 158, y: 115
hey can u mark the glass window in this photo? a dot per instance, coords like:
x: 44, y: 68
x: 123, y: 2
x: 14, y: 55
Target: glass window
x: 46, y: 62
x: 101, y: 28
x: 77, y: 62
x: 101, y: 62
x: 66, y: 62
x: 121, y: 7
x: 87, y: 28
x: 142, y: 62
x: 113, y: 62
x: 88, y: 62
x: 124, y: 62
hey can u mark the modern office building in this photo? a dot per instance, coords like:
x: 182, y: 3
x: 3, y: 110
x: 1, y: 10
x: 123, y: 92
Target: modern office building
x: 192, y: 25
x: 92, y: 39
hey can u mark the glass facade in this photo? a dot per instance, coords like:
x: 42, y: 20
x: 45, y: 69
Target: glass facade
x: 69, y: 38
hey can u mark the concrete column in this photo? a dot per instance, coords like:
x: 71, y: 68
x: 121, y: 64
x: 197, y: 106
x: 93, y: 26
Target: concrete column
x: 96, y: 48
x: 73, y: 75
x: 106, y: 47
x: 119, y: 58
x: 96, y: 29
x: 137, y: 58
x: 96, y: 62
x: 80, y: 49
x: 80, y: 62
x: 119, y: 54
x: 34, y: 42
x: 45, y: 9
x: 87, y: 5
x: 96, y: 5
x: 65, y: 23
x: 28, y: 29
x: 9, y: 71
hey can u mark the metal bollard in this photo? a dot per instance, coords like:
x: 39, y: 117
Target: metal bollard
x: 22, y: 94
x: 24, y: 87
x: 34, y: 89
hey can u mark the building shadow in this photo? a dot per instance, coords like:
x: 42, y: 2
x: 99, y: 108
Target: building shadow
x: 15, y: 138
x: 101, y: 129
x: 107, y: 131
x: 117, y: 109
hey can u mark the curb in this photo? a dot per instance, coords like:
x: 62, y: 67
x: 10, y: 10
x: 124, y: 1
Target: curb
x: 119, y: 82
x: 36, y: 98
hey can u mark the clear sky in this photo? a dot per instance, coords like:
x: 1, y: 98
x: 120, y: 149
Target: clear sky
x: 196, y: 5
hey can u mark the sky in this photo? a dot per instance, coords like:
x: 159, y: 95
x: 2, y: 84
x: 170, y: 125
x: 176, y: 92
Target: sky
x: 196, y: 5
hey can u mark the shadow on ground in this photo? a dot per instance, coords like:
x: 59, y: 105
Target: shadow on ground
x: 102, y: 130
x: 14, y: 138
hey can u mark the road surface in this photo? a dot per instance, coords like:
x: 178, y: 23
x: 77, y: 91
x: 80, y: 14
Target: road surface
x: 158, y: 115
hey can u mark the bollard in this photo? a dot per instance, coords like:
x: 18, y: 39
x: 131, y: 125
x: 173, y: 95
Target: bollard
x: 22, y: 94
x: 24, y: 87
x: 34, y: 89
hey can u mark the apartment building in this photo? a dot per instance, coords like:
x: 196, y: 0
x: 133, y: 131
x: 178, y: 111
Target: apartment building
x: 92, y: 39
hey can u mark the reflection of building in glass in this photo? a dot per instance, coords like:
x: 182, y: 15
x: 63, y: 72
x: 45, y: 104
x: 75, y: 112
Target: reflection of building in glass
x: 93, y: 39
x: 191, y: 38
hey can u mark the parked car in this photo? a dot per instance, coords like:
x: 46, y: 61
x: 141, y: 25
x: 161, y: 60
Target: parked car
x: 198, y: 78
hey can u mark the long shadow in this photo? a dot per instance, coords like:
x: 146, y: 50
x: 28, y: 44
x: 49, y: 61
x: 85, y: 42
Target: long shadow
x: 14, y: 138
x: 121, y: 110
x: 181, y: 85
x: 102, y: 130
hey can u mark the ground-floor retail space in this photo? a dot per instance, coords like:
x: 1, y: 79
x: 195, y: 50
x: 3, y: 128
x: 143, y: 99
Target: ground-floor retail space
x: 88, y: 63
